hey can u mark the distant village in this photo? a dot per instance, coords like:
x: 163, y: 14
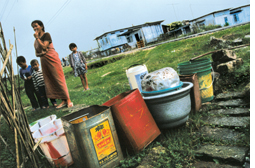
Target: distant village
x: 138, y: 36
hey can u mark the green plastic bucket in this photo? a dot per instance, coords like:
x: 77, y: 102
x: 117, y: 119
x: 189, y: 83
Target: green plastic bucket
x: 203, y: 69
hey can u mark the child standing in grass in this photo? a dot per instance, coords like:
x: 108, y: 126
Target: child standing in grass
x: 25, y: 74
x: 78, y: 63
x: 39, y: 85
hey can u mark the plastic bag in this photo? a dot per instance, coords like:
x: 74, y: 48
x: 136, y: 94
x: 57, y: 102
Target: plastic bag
x: 161, y: 79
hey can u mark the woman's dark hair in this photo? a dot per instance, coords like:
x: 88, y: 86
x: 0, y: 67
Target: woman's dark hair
x: 33, y: 61
x: 40, y: 23
x: 72, y: 45
x: 20, y: 59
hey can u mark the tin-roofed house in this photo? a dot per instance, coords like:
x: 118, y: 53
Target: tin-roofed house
x: 130, y: 37
x: 225, y: 17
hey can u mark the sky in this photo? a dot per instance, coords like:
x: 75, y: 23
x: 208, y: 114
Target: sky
x: 80, y: 21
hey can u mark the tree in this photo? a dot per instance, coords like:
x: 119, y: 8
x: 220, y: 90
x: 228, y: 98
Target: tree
x: 175, y: 25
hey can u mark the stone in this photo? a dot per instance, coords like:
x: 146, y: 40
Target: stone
x: 229, y: 66
x: 229, y: 121
x: 219, y: 83
x: 203, y: 164
x: 233, y: 103
x: 237, y: 41
x: 247, y: 36
x: 218, y: 43
x: 232, y: 111
x: 230, y: 154
x: 230, y: 95
x: 223, y: 56
x: 220, y: 133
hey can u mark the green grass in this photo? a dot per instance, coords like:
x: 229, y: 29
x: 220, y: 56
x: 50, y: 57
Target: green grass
x: 179, y: 142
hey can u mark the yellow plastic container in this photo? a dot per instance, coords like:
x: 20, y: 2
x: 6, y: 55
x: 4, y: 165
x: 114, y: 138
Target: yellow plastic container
x: 203, y: 69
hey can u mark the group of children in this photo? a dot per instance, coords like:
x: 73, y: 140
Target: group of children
x: 34, y: 81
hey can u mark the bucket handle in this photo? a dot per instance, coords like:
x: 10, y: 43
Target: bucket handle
x: 53, y: 158
x: 134, y: 65
x: 210, y: 84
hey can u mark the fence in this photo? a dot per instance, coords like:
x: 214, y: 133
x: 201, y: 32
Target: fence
x: 12, y: 111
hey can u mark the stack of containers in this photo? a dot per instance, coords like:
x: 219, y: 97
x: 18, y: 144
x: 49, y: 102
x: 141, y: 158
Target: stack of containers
x: 167, y: 98
x: 203, y: 68
x: 41, y: 122
x: 54, y: 143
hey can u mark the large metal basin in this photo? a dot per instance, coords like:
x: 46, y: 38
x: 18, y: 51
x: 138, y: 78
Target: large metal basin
x: 171, y: 109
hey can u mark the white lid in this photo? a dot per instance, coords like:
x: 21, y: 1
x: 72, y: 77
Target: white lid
x: 136, y: 68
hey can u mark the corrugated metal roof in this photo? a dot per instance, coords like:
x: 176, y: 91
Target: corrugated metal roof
x: 218, y: 11
x: 209, y: 14
x: 128, y: 32
x: 133, y: 27
x: 239, y: 7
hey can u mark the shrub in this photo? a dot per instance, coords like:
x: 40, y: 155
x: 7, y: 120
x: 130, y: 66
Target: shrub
x: 226, y: 24
x: 210, y: 27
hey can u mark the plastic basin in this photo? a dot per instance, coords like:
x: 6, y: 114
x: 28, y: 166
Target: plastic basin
x: 171, y: 109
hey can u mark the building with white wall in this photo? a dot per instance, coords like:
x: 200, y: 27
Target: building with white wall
x: 230, y: 16
x: 132, y: 36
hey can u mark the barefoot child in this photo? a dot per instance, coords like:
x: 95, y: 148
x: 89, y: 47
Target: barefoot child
x: 79, y: 65
x: 25, y: 74
x: 39, y: 85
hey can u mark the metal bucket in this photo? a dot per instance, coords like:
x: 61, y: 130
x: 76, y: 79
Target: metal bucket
x: 93, y: 140
x: 134, y: 123
x: 171, y: 109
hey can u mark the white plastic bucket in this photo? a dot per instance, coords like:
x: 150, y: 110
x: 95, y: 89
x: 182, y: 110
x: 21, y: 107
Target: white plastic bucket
x: 54, y: 143
x: 135, y: 74
x: 41, y: 122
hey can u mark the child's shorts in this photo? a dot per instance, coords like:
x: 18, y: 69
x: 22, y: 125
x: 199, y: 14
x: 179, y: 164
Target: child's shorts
x: 79, y: 70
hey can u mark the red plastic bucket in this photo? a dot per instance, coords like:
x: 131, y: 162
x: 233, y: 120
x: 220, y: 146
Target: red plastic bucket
x: 135, y: 125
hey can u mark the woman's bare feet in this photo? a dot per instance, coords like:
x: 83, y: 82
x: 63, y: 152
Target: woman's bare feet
x: 62, y: 104
x: 69, y: 103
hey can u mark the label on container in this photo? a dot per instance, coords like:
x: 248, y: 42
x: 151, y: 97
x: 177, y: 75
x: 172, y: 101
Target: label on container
x: 103, y: 142
x: 139, y: 78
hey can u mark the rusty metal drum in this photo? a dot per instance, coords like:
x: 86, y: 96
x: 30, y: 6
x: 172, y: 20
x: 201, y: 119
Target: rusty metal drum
x: 135, y: 125
x: 92, y: 137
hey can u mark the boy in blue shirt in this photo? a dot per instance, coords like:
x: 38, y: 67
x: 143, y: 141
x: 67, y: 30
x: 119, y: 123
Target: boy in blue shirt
x: 25, y: 74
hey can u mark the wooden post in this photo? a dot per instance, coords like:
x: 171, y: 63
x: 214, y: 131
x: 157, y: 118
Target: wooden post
x: 6, y: 60
x: 14, y: 114
x: 16, y: 58
x: 192, y: 59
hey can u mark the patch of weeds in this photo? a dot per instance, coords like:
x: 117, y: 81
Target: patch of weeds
x: 241, y: 78
x: 135, y: 160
